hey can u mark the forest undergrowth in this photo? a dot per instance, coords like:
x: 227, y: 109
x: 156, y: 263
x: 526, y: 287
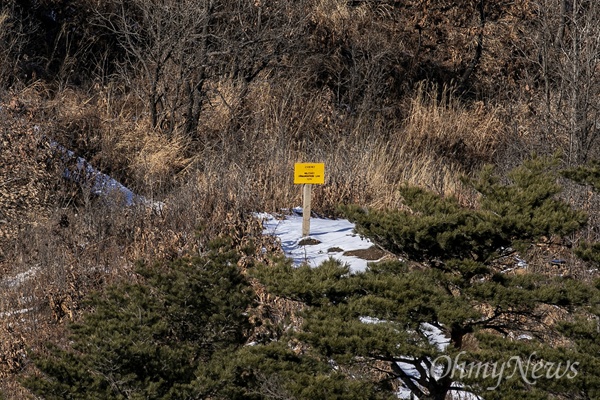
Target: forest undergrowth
x: 385, y: 94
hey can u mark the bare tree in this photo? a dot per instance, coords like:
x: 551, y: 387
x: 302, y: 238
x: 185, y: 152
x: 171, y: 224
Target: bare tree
x: 165, y: 43
x: 568, y: 43
x: 12, y: 41
x: 177, y: 47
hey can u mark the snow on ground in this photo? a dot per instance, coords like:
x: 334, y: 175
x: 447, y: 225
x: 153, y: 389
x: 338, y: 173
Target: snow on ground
x: 336, y: 236
x: 5, y: 314
x: 21, y: 277
x: 435, y: 336
x: 100, y: 184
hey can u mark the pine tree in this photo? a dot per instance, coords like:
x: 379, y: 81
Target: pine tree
x: 585, y: 331
x: 277, y: 371
x: 588, y: 174
x: 181, y: 333
x: 154, y: 339
x: 401, y: 320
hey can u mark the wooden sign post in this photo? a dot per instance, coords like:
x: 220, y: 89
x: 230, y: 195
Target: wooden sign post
x: 306, y: 200
x: 308, y: 174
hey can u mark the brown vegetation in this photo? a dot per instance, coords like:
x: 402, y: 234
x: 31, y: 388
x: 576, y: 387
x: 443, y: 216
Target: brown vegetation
x: 207, y: 107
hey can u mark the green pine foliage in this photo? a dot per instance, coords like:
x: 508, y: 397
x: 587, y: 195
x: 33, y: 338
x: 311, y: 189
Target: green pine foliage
x: 523, y: 369
x: 438, y: 228
x: 523, y: 209
x: 526, y: 207
x: 585, y: 330
x: 277, y: 371
x: 182, y: 333
x: 588, y: 174
x: 153, y: 339
x: 589, y: 252
x: 383, y: 316
x: 386, y: 315
x: 585, y: 333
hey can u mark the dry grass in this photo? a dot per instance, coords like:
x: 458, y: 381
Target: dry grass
x: 365, y: 160
x: 440, y: 124
x: 8, y: 42
x: 334, y: 14
x: 366, y: 119
x: 154, y: 160
x: 241, y: 161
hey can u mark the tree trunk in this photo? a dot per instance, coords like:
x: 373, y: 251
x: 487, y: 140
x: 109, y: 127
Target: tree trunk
x: 561, y: 27
x: 478, y: 50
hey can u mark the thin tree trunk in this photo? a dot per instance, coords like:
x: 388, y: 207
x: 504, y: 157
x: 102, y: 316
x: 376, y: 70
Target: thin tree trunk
x: 575, y: 76
x: 561, y: 27
x: 478, y: 50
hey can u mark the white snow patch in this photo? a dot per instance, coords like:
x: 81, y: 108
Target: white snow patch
x: 524, y: 336
x: 99, y: 183
x: 435, y: 336
x: 15, y: 312
x: 462, y: 395
x: 21, y: 277
x: 520, y: 262
x: 405, y: 393
x: 331, y: 233
x: 370, y: 320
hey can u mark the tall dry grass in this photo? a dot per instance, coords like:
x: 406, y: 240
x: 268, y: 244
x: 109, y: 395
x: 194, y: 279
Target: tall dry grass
x: 240, y: 162
x: 440, y: 124
x: 366, y: 156
x: 10, y: 45
x: 366, y: 119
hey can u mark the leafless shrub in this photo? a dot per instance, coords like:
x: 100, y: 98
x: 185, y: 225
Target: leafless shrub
x: 564, y: 47
x: 215, y: 102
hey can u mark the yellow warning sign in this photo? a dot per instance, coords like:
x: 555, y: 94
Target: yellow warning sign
x: 313, y: 173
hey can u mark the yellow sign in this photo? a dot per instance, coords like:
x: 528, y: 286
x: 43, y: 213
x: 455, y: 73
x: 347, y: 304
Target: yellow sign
x: 309, y: 173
